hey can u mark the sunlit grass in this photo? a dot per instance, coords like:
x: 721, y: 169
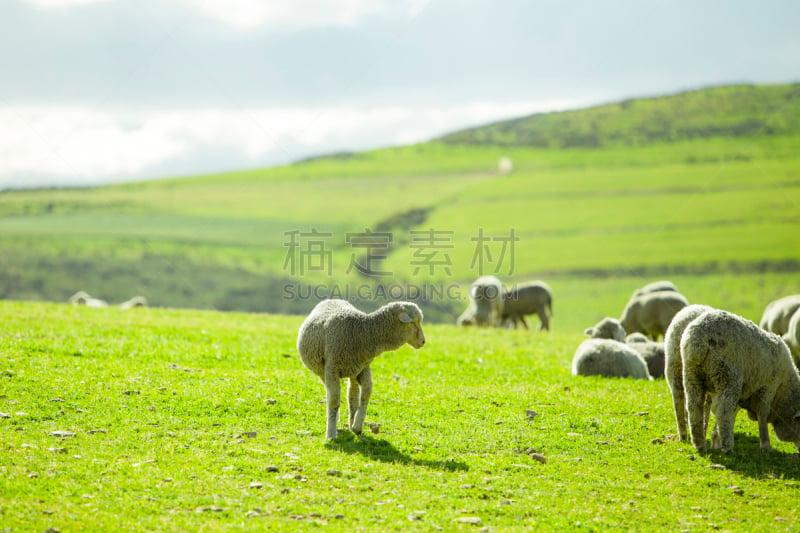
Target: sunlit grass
x: 200, y: 420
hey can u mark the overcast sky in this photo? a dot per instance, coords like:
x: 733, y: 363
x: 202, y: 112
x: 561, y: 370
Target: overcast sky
x: 98, y: 91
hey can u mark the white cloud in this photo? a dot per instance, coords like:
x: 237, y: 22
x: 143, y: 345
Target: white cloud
x: 249, y: 14
x: 290, y: 14
x: 57, y: 145
x: 62, y: 4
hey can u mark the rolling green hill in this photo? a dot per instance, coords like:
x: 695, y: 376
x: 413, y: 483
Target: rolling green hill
x: 716, y: 211
x: 739, y: 111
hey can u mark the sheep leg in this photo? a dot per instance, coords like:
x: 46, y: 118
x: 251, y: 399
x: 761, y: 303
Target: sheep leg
x: 542, y: 312
x: 353, y: 391
x: 695, y: 398
x: 365, y: 380
x: 716, y: 443
x: 726, y: 407
x: 333, y: 395
x: 763, y: 428
x: 679, y: 406
x: 521, y: 319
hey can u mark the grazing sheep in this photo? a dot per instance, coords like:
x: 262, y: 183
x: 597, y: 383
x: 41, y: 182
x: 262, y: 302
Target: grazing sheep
x: 338, y: 341
x: 740, y: 365
x: 655, y: 286
x: 485, y: 303
x: 83, y: 298
x: 652, y: 312
x: 778, y: 313
x: 527, y: 299
x: 652, y: 352
x: 792, y: 337
x: 136, y: 301
x: 673, y: 370
x: 608, y: 328
x: 608, y: 358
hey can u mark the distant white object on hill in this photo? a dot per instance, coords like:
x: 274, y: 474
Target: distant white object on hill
x: 505, y: 165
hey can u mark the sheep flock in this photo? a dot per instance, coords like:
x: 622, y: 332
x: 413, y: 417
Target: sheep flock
x: 714, y: 362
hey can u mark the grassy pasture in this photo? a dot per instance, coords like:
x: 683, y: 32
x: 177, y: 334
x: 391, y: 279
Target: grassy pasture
x: 178, y: 416
x: 716, y: 206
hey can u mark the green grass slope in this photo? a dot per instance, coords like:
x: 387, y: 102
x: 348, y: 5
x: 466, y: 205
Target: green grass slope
x: 206, y: 421
x: 716, y: 214
x: 740, y: 111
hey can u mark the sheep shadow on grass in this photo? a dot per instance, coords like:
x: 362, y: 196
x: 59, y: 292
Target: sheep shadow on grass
x: 382, y: 450
x: 747, y: 459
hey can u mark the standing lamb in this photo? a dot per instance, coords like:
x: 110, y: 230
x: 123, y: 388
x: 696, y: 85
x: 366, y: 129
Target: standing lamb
x: 485, y: 303
x: 792, y: 337
x: 778, y: 313
x: 740, y: 365
x: 652, y: 312
x: 608, y: 358
x: 527, y: 299
x: 338, y: 341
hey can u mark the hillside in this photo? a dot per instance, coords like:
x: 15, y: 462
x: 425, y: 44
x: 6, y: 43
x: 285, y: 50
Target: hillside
x: 741, y: 111
x: 718, y: 215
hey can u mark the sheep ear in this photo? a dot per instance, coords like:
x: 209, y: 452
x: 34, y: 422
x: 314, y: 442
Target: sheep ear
x: 404, y: 317
x: 588, y: 331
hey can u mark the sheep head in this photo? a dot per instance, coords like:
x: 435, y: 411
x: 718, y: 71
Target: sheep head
x: 409, y: 318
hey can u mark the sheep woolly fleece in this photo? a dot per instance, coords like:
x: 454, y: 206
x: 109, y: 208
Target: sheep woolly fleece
x: 740, y: 365
x: 338, y: 341
x: 778, y: 314
x: 608, y: 358
x: 608, y: 328
x: 652, y: 312
x: 792, y: 336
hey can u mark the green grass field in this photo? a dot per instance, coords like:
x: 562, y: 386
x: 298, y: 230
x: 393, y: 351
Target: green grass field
x: 207, y: 421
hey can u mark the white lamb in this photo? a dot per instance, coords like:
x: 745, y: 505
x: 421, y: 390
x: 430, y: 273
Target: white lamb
x: 740, y: 365
x: 338, y: 341
x: 608, y: 358
x: 778, y: 313
x: 485, y: 303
